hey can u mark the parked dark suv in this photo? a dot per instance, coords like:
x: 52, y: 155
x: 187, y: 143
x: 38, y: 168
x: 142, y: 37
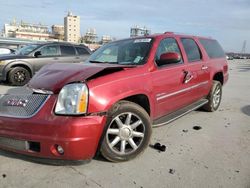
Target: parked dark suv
x: 18, y: 68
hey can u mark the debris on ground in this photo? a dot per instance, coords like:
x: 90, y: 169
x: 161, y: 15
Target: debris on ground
x: 171, y: 171
x: 197, y: 128
x: 4, y: 175
x: 159, y: 147
x: 185, y: 130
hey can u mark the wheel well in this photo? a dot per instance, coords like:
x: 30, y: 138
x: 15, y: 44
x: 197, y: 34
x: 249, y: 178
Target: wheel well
x: 219, y: 77
x: 23, y: 66
x: 141, y: 100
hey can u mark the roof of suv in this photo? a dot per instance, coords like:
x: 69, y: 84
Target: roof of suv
x: 156, y: 35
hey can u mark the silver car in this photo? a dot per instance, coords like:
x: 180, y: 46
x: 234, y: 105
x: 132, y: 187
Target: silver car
x: 17, y: 69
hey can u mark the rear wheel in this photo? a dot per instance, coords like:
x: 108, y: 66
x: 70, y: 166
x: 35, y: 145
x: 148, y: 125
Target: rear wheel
x: 214, y: 97
x: 18, y: 76
x: 128, y: 132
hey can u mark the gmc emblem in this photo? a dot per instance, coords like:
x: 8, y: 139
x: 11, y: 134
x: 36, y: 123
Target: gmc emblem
x: 16, y: 102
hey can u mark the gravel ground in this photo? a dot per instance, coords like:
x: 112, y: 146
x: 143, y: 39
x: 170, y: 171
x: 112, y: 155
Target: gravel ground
x: 217, y: 155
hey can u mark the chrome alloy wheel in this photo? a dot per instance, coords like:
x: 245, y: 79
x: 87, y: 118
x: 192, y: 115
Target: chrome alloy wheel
x: 216, y: 97
x: 125, y: 133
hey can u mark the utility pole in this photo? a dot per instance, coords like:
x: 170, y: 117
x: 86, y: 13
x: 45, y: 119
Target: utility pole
x: 244, y: 47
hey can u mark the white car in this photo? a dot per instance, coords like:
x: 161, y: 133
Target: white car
x: 5, y: 51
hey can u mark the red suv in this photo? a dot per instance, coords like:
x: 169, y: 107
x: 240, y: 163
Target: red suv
x: 111, y: 103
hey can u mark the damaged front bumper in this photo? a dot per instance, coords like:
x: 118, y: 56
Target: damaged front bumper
x: 46, y: 135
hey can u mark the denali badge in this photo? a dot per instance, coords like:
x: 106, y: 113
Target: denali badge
x: 16, y: 102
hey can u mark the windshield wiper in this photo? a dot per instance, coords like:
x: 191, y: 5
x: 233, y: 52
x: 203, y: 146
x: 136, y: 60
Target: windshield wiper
x: 110, y: 62
x: 103, y: 62
x: 96, y: 62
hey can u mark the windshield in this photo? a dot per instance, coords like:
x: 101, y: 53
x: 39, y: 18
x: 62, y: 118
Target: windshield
x: 127, y: 52
x: 27, y: 49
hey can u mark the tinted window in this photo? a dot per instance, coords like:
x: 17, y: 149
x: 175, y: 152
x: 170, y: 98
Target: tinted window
x: 212, y: 48
x: 67, y: 50
x: 192, y: 50
x: 82, y: 51
x: 49, y: 51
x: 167, y: 45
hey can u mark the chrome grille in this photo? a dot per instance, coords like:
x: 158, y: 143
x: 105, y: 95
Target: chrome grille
x: 21, y: 106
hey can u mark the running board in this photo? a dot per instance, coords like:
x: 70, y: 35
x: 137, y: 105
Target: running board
x: 179, y: 113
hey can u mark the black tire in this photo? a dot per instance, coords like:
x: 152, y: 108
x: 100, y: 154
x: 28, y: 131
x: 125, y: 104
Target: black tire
x: 214, y: 97
x: 131, y: 128
x: 18, y: 76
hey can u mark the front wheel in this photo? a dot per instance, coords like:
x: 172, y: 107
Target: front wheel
x: 18, y: 76
x: 214, y: 97
x: 128, y: 132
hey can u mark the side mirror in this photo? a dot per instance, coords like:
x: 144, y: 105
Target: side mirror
x: 37, y: 54
x: 168, y: 58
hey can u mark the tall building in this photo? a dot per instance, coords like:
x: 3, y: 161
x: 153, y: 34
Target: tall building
x: 72, y: 28
x: 138, y: 31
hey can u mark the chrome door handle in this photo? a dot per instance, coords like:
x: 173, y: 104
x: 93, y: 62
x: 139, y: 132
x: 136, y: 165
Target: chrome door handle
x: 188, y: 79
x: 188, y: 76
x: 204, y: 67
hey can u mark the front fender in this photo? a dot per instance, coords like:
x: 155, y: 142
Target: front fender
x: 16, y: 63
x: 103, y: 97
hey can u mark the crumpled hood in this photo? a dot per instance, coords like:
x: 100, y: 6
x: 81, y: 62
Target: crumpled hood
x: 12, y: 56
x: 54, y: 76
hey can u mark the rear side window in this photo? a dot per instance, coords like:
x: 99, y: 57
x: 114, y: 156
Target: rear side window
x: 82, y: 51
x: 213, y: 48
x: 67, y: 50
x: 47, y: 51
x: 191, y: 49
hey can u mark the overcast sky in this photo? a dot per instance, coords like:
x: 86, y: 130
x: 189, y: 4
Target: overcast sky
x: 226, y: 20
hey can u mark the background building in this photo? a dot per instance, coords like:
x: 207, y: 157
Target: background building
x: 72, y: 28
x: 29, y: 31
x: 138, y: 31
x: 90, y: 36
x: 106, y: 39
x: 69, y: 32
x: 58, y: 31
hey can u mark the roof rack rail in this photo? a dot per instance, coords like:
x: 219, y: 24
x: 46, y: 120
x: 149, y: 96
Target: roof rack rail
x: 179, y: 33
x: 169, y: 32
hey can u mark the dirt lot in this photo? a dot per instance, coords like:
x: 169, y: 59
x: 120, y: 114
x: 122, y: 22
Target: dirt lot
x: 217, y: 155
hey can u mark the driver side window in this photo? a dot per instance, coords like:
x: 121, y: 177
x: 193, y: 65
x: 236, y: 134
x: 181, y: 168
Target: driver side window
x: 167, y: 45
